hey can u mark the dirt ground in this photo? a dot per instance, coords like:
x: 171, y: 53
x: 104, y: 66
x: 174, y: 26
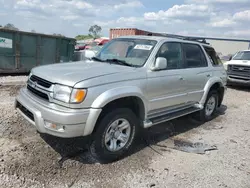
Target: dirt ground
x: 28, y: 159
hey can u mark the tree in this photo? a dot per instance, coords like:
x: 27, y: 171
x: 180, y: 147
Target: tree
x: 11, y: 27
x: 95, y: 30
x: 83, y: 37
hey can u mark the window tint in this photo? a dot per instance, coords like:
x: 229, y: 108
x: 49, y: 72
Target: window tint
x: 194, y: 56
x: 213, y: 56
x: 173, y: 53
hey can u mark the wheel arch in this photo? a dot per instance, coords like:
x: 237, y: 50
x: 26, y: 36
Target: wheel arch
x: 124, y: 97
x: 214, y: 84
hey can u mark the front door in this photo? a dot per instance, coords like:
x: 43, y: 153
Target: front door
x: 167, y: 88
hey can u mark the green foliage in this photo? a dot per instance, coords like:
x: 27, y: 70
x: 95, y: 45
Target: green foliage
x: 83, y: 37
x: 95, y: 30
x: 11, y: 27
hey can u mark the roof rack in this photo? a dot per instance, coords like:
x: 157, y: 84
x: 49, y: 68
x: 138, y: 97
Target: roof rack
x: 196, y: 39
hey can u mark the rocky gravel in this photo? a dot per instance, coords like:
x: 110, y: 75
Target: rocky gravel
x: 28, y: 159
x: 13, y: 80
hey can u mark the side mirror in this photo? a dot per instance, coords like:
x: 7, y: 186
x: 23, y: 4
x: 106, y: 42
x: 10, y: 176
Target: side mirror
x: 89, y: 54
x: 160, y: 64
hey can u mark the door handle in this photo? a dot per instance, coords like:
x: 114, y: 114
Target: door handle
x: 181, y: 78
x: 208, y: 75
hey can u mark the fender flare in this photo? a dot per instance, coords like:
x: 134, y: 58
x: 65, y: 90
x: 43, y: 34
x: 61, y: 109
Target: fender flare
x: 117, y: 93
x: 107, y: 97
x: 208, y: 86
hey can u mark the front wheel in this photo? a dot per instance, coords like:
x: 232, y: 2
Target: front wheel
x: 114, y: 136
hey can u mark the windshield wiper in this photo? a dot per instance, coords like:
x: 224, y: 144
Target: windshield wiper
x: 97, y: 59
x: 120, y: 62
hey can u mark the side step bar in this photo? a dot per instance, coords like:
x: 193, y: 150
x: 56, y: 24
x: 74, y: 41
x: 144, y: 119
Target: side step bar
x: 169, y: 116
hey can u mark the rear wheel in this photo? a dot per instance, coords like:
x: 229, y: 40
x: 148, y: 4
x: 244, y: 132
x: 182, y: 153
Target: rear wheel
x: 210, y: 106
x: 114, y: 136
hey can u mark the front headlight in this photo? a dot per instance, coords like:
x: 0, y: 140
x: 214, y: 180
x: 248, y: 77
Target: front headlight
x: 225, y: 66
x: 62, y: 93
x: 68, y: 95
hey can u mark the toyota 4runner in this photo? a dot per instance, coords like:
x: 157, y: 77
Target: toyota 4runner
x: 133, y: 82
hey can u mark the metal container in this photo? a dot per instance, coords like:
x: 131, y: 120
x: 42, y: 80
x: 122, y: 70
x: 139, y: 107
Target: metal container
x: 21, y: 51
x: 114, y: 33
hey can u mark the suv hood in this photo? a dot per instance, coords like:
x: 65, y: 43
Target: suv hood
x: 71, y: 73
x: 238, y: 62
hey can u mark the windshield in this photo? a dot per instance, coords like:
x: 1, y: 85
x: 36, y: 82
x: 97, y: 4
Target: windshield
x: 242, y: 56
x: 133, y: 51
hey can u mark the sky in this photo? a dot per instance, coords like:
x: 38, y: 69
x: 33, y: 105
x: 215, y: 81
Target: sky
x: 214, y: 18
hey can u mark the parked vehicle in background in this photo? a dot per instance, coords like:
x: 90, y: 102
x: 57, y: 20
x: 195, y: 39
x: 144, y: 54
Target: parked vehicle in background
x: 96, y: 49
x: 238, y: 68
x: 80, y: 46
x: 134, y: 82
x: 91, y: 45
x: 97, y: 42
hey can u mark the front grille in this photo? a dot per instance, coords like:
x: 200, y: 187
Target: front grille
x: 40, y: 81
x: 37, y: 92
x: 239, y: 70
x: 25, y: 111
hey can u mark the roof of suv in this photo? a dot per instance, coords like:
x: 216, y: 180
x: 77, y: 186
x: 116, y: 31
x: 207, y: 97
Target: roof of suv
x: 160, y: 38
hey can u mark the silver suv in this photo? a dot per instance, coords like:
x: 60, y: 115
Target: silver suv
x: 133, y: 82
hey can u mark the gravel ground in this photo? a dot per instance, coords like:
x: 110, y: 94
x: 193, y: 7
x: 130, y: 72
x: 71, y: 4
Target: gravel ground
x: 28, y: 159
x: 13, y: 80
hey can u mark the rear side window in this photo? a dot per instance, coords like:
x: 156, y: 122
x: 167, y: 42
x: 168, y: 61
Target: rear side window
x: 194, y: 56
x: 213, y: 56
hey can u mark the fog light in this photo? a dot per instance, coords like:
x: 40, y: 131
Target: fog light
x: 55, y: 127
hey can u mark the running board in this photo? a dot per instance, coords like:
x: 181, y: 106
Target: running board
x: 169, y: 116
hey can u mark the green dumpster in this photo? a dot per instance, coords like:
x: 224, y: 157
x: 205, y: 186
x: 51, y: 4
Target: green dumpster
x: 21, y: 51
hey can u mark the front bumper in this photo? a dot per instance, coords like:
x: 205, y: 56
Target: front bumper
x: 238, y: 80
x: 72, y: 122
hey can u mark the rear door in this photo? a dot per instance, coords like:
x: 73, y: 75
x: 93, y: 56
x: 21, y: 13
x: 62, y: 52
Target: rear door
x: 197, y: 71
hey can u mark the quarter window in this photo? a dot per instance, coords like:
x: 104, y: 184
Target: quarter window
x: 213, y: 56
x: 194, y: 56
x: 173, y: 53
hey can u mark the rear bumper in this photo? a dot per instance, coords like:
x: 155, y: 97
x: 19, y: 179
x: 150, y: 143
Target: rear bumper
x: 69, y: 122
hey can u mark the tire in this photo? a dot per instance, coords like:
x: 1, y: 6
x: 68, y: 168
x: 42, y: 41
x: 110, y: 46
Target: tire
x: 104, y: 152
x: 204, y: 116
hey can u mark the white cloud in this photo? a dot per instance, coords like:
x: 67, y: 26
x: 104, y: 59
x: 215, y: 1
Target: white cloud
x: 223, y: 23
x: 185, y: 12
x: 131, y: 4
x: 69, y: 17
x: 242, y: 16
x: 239, y: 33
x: 27, y: 3
x: 218, y: 1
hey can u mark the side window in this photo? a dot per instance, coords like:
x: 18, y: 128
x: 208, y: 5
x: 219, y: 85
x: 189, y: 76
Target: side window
x: 213, y: 56
x: 173, y: 53
x: 194, y: 56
